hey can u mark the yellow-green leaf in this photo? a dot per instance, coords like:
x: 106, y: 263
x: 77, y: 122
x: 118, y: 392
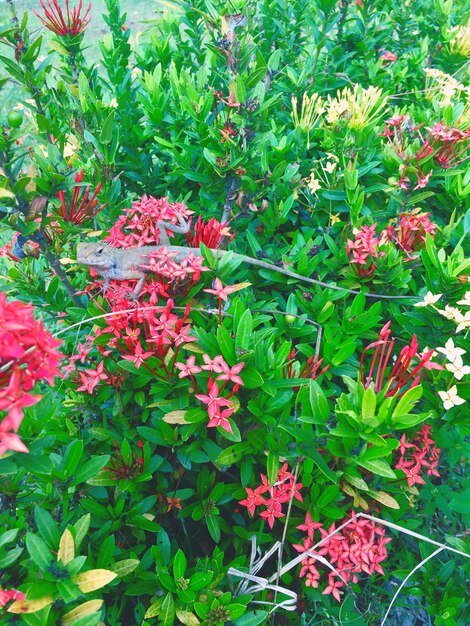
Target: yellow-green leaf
x: 29, y: 606
x: 154, y: 609
x: 6, y: 193
x: 175, y: 417
x: 187, y: 618
x: 385, y: 498
x: 122, y: 568
x: 87, y: 608
x: 66, y: 547
x: 94, y: 579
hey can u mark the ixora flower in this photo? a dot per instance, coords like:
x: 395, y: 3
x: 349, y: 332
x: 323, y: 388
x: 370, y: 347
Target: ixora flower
x: 458, y: 369
x: 27, y: 354
x: 450, y: 398
x: 70, y: 24
x: 402, y: 375
x: 82, y: 207
x: 6, y: 595
x: 418, y: 453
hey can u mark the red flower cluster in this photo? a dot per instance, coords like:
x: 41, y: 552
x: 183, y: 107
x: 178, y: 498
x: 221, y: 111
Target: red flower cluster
x: 309, y: 370
x: 399, y: 377
x: 212, y: 234
x: 359, y: 547
x: 418, y: 453
x: 450, y: 145
x: 138, y: 225
x: 82, y: 207
x: 126, y: 465
x: 7, y: 595
x: 63, y: 25
x: 447, y: 146
x: 410, y: 233
x: 213, y: 399
x: 27, y: 354
x: 363, y: 250
x: 281, y: 492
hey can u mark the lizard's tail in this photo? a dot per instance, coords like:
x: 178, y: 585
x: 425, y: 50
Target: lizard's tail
x: 274, y: 268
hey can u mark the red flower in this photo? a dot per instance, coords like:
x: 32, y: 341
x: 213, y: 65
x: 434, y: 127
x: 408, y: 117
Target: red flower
x: 401, y: 376
x: 27, y: 354
x: 63, y: 25
x: 80, y: 210
x: 6, y: 595
x: 212, y: 234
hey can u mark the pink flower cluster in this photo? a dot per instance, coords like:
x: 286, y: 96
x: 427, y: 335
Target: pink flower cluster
x: 447, y: 146
x: 213, y: 399
x: 401, y: 375
x: 359, y: 547
x: 7, y: 595
x: 27, y: 355
x: 137, y: 336
x: 71, y: 23
x: 418, y: 453
x: 137, y: 226
x: 280, y: 493
x: 363, y: 250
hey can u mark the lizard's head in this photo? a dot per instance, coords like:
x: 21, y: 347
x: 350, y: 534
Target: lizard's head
x: 96, y: 255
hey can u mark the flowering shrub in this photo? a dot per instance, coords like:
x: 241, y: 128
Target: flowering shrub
x: 262, y: 442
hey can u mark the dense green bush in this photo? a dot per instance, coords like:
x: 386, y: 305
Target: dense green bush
x: 228, y: 407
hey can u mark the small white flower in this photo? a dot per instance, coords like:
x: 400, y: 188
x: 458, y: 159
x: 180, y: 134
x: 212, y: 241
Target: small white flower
x: 466, y: 299
x: 429, y: 298
x: 450, y: 313
x: 450, y: 351
x: 313, y: 184
x: 450, y: 398
x: 458, y: 369
x: 463, y: 322
x: 330, y: 167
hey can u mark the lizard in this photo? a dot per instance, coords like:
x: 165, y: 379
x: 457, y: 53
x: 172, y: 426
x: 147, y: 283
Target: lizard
x: 126, y: 263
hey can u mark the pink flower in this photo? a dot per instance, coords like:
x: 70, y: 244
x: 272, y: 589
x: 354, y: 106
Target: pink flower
x: 188, y: 368
x: 222, y: 420
x: 388, y: 56
x: 90, y: 378
x: 138, y: 357
x: 10, y: 440
x: 212, y: 399
x: 231, y: 373
x: 309, y: 526
x: 333, y: 587
x: 221, y: 292
x: 211, y: 234
x: 253, y: 499
x: 6, y: 595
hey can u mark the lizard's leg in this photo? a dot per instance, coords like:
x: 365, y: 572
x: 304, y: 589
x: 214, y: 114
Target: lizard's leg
x: 182, y: 228
x: 138, y: 288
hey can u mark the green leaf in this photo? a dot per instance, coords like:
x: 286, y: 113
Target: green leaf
x: 251, y: 378
x: 72, y: 457
x: 252, y: 618
x: 369, y: 402
x: 179, y: 565
x: 272, y: 467
x: 47, y: 527
x: 81, y: 528
x: 167, y: 611
x: 377, y: 466
x: 108, y: 129
x: 38, y: 551
x: 39, y: 465
x: 244, y: 334
x: 407, y: 401
x: 318, y: 402
x: 233, y: 454
x: 320, y: 463
x: 90, y: 468
x: 213, y: 527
